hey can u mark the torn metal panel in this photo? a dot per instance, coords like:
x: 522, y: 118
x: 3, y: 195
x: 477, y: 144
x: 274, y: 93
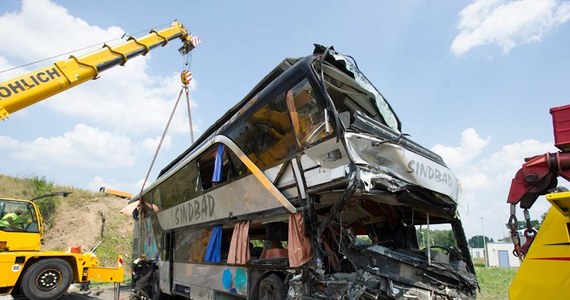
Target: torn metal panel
x: 397, y: 161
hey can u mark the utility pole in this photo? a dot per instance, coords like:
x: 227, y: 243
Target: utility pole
x: 485, y: 254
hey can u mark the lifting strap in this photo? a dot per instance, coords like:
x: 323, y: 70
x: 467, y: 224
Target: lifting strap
x: 185, y: 78
x: 161, y: 140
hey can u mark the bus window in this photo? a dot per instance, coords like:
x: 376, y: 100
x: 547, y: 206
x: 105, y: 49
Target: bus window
x: 182, y: 186
x: 217, y: 176
x: 266, y: 137
x: 190, y: 244
x: 275, y: 241
x: 219, y: 165
x: 236, y: 166
x: 307, y: 114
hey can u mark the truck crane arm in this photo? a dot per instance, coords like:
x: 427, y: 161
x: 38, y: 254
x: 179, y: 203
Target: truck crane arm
x: 35, y: 86
x: 539, y: 176
x: 544, y: 272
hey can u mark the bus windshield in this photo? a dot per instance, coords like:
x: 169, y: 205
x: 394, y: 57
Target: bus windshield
x: 359, y: 92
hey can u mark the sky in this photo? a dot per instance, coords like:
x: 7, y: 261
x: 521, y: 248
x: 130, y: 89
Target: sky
x: 472, y: 80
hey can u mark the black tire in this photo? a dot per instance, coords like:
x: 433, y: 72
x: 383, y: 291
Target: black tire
x: 47, y: 279
x: 155, y: 287
x: 272, y: 288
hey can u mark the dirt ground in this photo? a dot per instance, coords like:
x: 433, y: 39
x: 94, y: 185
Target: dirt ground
x: 80, y: 223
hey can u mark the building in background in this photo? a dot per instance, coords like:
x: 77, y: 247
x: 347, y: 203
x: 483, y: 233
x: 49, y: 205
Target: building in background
x: 501, y: 255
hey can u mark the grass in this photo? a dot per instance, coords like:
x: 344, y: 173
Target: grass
x: 494, y: 282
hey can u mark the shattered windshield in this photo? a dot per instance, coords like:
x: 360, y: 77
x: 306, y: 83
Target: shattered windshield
x: 379, y: 102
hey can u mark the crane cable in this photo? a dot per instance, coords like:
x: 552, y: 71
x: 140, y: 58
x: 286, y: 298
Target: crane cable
x: 186, y: 78
x: 161, y: 140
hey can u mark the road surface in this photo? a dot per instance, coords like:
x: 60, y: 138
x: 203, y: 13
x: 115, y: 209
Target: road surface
x: 96, y: 293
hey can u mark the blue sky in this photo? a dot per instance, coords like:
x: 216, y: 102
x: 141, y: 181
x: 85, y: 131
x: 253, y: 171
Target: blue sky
x: 472, y: 80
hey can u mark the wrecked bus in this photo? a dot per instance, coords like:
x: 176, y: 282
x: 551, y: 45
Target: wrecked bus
x: 306, y: 189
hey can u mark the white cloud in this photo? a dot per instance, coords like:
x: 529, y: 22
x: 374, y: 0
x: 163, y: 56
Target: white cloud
x: 151, y: 144
x: 507, y: 23
x: 98, y: 182
x: 128, y: 98
x: 83, y: 147
x: 19, y: 31
x: 485, y: 180
x: 470, y: 146
x: 4, y: 64
x: 507, y: 161
x: 8, y: 142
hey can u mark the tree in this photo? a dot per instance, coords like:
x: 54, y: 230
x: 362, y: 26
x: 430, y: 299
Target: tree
x: 443, y: 238
x: 477, y: 241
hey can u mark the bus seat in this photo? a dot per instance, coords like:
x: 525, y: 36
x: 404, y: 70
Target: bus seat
x: 275, y: 253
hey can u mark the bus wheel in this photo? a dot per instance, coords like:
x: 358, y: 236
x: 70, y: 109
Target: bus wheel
x: 272, y: 288
x: 155, y: 287
x: 47, y: 279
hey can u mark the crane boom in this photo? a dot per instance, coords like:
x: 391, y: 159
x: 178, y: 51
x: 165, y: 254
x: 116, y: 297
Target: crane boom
x: 35, y: 86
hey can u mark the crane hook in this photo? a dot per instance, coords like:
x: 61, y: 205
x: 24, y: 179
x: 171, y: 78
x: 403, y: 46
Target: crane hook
x: 186, y: 77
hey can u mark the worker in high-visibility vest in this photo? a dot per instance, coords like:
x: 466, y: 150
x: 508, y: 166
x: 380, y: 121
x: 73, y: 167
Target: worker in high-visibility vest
x: 9, y: 219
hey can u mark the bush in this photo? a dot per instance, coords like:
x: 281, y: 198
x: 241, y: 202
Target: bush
x: 479, y: 261
x: 41, y: 186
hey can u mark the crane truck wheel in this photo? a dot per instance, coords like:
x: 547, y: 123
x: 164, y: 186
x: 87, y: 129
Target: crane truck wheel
x: 47, y: 279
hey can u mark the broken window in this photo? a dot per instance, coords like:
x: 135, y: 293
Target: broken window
x: 266, y: 137
x: 351, y: 91
x: 190, y: 244
x: 307, y: 114
x: 219, y: 165
x: 182, y: 186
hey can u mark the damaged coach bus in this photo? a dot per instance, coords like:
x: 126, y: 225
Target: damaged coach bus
x: 306, y: 189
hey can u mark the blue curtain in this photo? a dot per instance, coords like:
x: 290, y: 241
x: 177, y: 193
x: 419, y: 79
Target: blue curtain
x: 214, y: 248
x: 217, y: 175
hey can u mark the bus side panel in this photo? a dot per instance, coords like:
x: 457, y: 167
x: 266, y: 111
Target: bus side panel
x: 198, y: 277
x: 244, y: 196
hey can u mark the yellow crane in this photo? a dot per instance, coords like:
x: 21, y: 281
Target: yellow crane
x: 35, y: 86
x: 24, y: 267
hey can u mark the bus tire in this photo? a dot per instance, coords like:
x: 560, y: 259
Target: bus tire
x: 156, y: 293
x: 272, y: 288
x: 47, y: 279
